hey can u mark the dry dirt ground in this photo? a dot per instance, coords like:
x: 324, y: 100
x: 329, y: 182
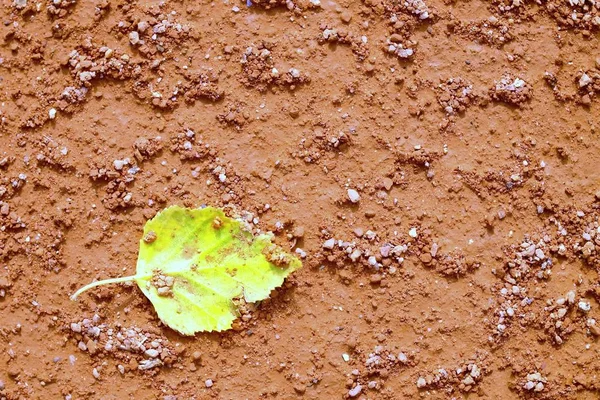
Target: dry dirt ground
x: 436, y: 163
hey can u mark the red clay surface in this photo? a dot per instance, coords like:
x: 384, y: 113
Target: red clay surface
x: 436, y: 163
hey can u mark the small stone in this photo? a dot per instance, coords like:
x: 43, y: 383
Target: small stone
x: 385, y: 251
x: 375, y: 279
x: 196, y: 355
x: 208, y: 383
x: 346, y: 17
x: 402, y: 358
x: 355, y: 255
x: 150, y: 237
x: 153, y: 353
x: 329, y: 244
x: 539, y: 254
x: 539, y: 387
x: 421, y: 382
x: 299, y: 388
x: 13, y: 371
x: 118, y: 164
x: 588, y: 249
x: 584, y: 80
x: 353, y: 196
x: 95, y: 373
x: 134, y: 38
x: 52, y: 113
x: 92, y: 346
x: 142, y: 26
x: 372, y: 260
x: 594, y: 330
x: 586, y: 100
x: 426, y: 258
x: 298, y: 232
x: 396, y: 38
x: 5, y: 209
x: 536, y: 376
x: 434, y: 249
x: 355, y: 391
x: 584, y: 306
x: 468, y: 380
x: 20, y: 4
x: 413, y: 233
x: 529, y: 385
x: 359, y: 232
x: 387, y: 183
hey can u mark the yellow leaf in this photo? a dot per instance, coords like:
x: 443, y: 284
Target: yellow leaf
x: 197, y: 266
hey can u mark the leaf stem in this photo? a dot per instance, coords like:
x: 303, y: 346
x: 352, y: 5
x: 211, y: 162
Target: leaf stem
x: 103, y: 282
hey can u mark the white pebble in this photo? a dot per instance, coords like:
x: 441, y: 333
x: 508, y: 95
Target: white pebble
x: 134, y: 38
x: 355, y: 391
x: 584, y: 306
x: 413, y: 232
x: 539, y: 254
x: 584, y: 80
x: 152, y: 353
x: 118, y: 164
x: 353, y: 196
x: 329, y: 243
